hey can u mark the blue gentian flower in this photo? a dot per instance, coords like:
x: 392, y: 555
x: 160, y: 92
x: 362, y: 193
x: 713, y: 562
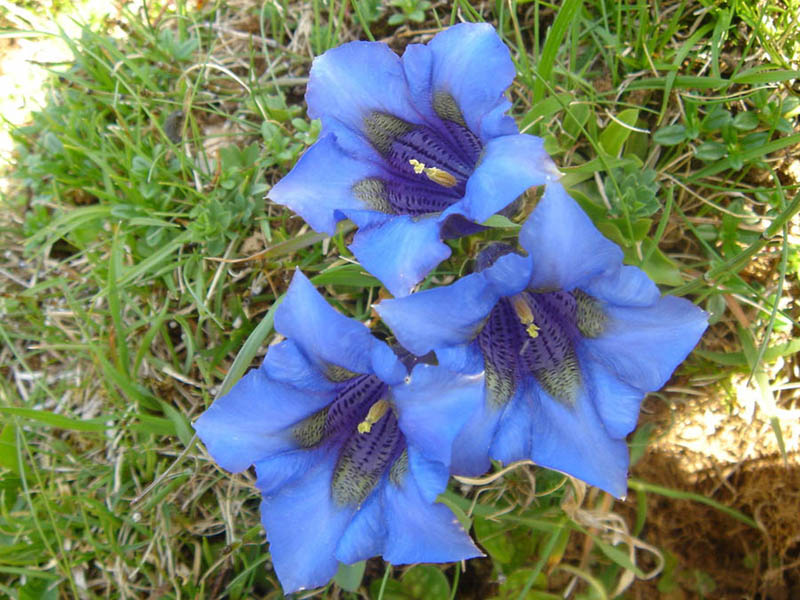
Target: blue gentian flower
x: 412, y: 149
x: 569, y: 341
x: 349, y: 455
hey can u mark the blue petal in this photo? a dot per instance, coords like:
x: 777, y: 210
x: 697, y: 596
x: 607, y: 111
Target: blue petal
x: 510, y: 274
x: 644, y: 345
x: 616, y: 402
x: 386, y: 365
x: 304, y: 527
x: 508, y: 166
x: 286, y: 363
x: 572, y: 439
x: 367, y: 218
x: 464, y: 358
x: 439, y: 317
x: 365, y: 536
x: 512, y: 439
x: 351, y: 81
x: 247, y: 424
x: 471, y: 448
x: 280, y: 469
x: 434, y: 406
x: 627, y: 286
x: 401, y: 251
x: 321, y: 183
x: 325, y: 336
x: 420, y: 531
x: 431, y: 475
x: 567, y: 249
x: 471, y: 63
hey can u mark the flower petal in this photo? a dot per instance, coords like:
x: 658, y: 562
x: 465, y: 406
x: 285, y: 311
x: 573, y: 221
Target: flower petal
x: 247, y: 424
x: 420, y: 531
x: 510, y: 273
x: 351, y: 81
x: 325, y: 336
x: 567, y: 249
x: 365, y: 536
x: 431, y: 475
x: 616, y: 402
x: 513, y: 437
x: 321, y: 184
x: 509, y: 165
x: 572, y: 439
x: 286, y: 363
x: 400, y: 252
x: 471, y: 447
x: 387, y: 365
x: 470, y: 63
x: 438, y: 317
x: 304, y: 527
x: 280, y: 469
x: 627, y: 286
x: 434, y: 406
x: 464, y: 358
x: 644, y: 345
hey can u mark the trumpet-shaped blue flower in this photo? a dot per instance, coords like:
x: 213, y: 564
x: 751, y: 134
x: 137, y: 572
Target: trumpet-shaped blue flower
x: 569, y: 341
x: 349, y: 454
x: 413, y: 149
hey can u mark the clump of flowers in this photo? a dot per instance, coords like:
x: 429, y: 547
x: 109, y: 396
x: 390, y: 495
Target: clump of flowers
x: 545, y: 352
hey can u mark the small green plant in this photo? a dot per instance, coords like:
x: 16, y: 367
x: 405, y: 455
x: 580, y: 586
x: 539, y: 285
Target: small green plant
x: 411, y: 10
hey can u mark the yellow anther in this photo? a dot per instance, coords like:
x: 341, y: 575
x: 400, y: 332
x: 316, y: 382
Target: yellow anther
x: 435, y: 174
x: 375, y: 414
x: 418, y: 166
x: 525, y: 315
x: 523, y: 310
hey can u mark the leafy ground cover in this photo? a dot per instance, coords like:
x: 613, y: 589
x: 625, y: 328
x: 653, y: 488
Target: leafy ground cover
x: 141, y: 266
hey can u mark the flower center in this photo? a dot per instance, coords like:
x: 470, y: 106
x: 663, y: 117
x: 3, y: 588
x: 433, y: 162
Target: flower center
x: 446, y: 152
x: 536, y: 334
x: 360, y: 424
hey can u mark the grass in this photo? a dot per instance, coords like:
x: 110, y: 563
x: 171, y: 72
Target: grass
x: 141, y: 269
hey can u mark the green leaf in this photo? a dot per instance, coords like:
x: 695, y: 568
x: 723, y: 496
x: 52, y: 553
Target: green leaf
x: 8, y: 448
x: 492, y: 536
x: 710, y: 151
x: 349, y: 577
x: 616, y: 133
x: 738, y: 359
x: 670, y: 135
x: 181, y: 424
x: 426, y: 582
x: 500, y: 222
x: 618, y: 556
x: 657, y: 265
x: 55, y: 420
x: 762, y: 75
x: 350, y: 275
x: 746, y: 121
x: 516, y: 582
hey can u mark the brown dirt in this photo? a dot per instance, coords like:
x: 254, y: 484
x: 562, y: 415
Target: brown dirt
x: 728, y: 453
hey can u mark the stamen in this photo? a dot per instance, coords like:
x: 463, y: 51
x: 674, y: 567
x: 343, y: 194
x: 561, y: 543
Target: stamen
x: 375, y: 414
x: 525, y: 315
x: 436, y: 175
